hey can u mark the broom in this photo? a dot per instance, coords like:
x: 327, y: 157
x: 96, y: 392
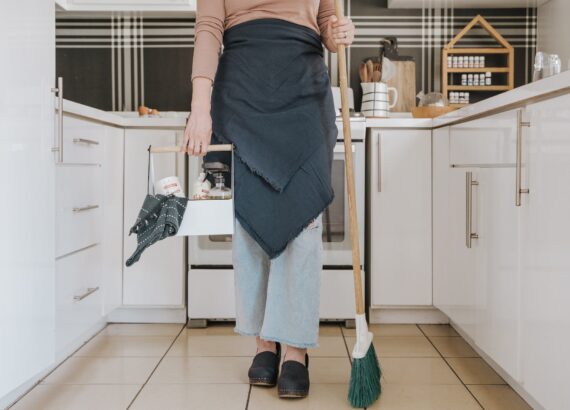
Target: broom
x: 364, y: 388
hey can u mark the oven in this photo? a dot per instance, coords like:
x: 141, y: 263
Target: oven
x: 210, y: 272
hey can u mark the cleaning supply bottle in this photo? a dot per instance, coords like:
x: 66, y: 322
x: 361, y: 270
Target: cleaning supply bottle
x: 220, y: 191
x: 201, y: 187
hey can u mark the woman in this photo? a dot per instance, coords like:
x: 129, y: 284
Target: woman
x: 271, y: 98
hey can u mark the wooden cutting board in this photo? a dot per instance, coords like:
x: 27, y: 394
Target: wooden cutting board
x: 405, y: 82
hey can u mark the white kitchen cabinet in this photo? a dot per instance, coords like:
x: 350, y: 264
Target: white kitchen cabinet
x: 488, y: 141
x: 112, y: 236
x: 128, y: 5
x: 513, y: 281
x: 27, y: 245
x: 545, y: 255
x: 455, y: 266
x: 158, y: 278
x: 79, y: 207
x: 80, y: 228
x: 400, y: 217
x: 476, y: 279
x: 497, y: 280
x: 82, y: 140
x: 78, y: 298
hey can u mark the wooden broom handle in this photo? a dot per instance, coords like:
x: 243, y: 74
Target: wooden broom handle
x: 211, y: 148
x: 349, y: 168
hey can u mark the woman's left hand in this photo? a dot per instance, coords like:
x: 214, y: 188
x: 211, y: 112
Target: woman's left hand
x: 341, y: 31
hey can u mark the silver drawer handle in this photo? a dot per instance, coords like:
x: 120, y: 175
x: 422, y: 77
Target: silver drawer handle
x: 85, y: 141
x: 469, y: 234
x: 518, y: 177
x: 85, y: 208
x: 89, y: 292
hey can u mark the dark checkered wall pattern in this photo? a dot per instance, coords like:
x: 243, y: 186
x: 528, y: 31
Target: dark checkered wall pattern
x: 118, y: 61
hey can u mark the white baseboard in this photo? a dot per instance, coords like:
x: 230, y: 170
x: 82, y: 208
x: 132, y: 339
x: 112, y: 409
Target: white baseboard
x: 412, y: 315
x: 506, y: 376
x: 129, y: 314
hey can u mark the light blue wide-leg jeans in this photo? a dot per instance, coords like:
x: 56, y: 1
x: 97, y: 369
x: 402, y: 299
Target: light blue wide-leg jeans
x: 278, y: 299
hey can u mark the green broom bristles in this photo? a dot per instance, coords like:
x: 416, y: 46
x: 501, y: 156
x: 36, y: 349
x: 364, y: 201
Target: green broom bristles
x: 364, y: 388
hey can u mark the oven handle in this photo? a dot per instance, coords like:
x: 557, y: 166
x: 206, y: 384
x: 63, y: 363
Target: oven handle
x: 339, y: 148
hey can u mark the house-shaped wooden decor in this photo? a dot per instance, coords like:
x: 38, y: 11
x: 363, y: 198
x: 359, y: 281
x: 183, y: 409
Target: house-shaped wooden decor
x: 502, y: 76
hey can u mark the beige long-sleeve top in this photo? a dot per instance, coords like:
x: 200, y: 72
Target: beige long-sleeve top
x: 215, y: 16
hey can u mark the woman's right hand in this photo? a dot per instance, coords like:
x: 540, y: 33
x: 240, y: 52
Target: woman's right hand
x: 198, y: 133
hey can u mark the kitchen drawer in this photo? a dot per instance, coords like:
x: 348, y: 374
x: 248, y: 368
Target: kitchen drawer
x: 487, y: 141
x: 211, y: 294
x: 78, y: 207
x: 82, y: 141
x: 78, y: 296
x: 336, y: 297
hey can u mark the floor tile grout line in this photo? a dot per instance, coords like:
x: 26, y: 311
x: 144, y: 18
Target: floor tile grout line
x: 452, y: 369
x: 155, y: 367
x: 248, y: 396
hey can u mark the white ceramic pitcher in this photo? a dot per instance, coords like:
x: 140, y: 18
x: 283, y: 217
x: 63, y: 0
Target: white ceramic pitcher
x: 376, y: 101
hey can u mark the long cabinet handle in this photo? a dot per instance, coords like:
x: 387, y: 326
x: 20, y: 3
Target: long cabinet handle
x: 519, y: 190
x: 59, y: 143
x: 469, y: 234
x: 85, y: 141
x: 84, y: 295
x: 85, y: 208
x: 379, y: 162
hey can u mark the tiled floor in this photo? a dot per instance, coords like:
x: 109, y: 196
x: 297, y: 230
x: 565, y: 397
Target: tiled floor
x: 161, y: 366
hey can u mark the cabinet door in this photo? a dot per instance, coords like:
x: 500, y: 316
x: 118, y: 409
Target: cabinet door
x: 455, y: 266
x: 400, y: 216
x: 546, y: 254
x: 497, y: 279
x: 27, y: 248
x: 112, y: 242
x: 489, y: 140
x: 157, y: 279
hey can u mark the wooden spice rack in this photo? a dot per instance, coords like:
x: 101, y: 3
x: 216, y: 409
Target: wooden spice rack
x: 504, y: 48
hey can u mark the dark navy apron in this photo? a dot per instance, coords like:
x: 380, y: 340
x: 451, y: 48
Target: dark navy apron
x: 272, y: 99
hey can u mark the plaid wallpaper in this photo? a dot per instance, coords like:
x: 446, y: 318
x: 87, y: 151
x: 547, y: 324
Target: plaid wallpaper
x: 118, y: 61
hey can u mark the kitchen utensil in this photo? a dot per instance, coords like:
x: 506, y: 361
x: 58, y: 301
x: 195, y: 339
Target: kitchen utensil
x: 404, y: 80
x: 363, y: 72
x: 376, y: 101
x: 370, y: 69
x: 430, y: 112
x: 364, y: 388
x: 376, y: 76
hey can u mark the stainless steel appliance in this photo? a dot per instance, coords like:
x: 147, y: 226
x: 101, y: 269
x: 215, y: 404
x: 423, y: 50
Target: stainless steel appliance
x: 210, y: 274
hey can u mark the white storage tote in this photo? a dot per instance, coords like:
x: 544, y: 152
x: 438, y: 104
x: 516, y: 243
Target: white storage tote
x: 203, y: 216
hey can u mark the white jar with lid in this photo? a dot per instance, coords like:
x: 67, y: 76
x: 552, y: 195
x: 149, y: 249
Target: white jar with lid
x: 488, y: 80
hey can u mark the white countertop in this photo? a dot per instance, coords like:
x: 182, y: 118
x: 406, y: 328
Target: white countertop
x: 546, y: 88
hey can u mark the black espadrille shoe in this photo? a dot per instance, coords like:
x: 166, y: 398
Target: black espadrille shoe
x: 294, y: 379
x: 265, y: 368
